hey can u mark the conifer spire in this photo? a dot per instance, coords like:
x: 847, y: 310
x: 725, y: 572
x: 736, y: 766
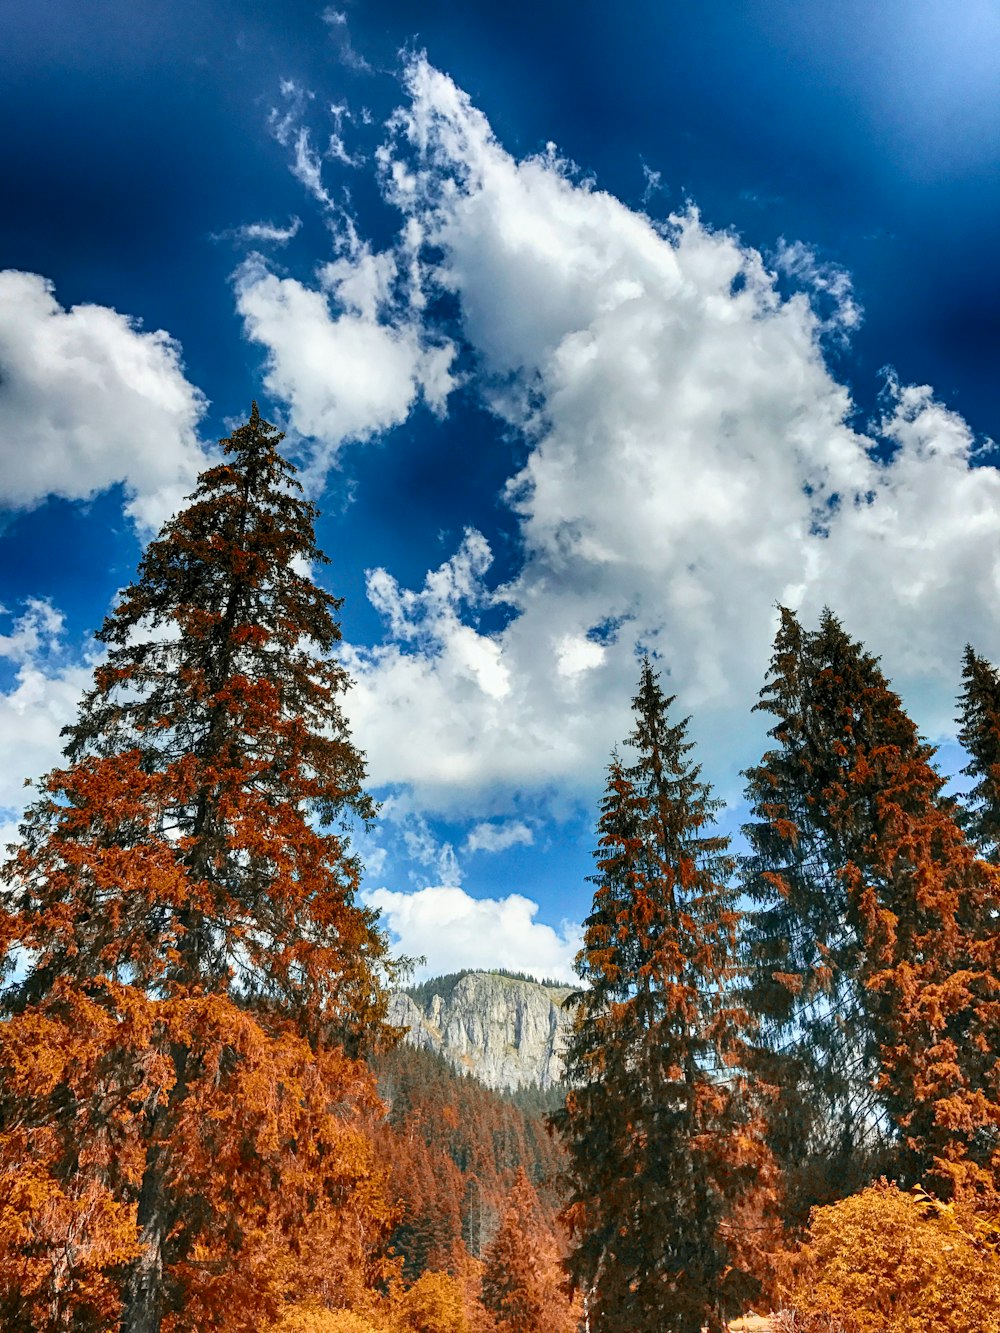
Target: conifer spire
x: 979, y: 722
x: 658, y: 1124
x: 195, y: 972
x: 874, y: 942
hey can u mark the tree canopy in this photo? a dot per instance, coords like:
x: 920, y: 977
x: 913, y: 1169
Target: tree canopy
x: 659, y: 1127
x: 190, y: 978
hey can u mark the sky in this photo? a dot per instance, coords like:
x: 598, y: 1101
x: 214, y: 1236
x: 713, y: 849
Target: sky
x: 595, y: 330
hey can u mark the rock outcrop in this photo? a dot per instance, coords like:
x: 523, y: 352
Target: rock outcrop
x: 509, y: 1033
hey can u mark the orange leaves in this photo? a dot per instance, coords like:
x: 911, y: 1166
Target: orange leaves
x: 255, y: 1136
x: 661, y: 1132
x: 888, y: 1262
x: 173, y: 1087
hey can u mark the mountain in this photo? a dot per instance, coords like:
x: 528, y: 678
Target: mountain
x: 507, y: 1030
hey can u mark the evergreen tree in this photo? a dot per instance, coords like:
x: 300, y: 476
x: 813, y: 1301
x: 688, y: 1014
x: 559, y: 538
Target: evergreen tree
x: 979, y: 733
x: 521, y: 1284
x: 873, y: 948
x: 804, y: 935
x: 661, y: 1137
x: 191, y: 977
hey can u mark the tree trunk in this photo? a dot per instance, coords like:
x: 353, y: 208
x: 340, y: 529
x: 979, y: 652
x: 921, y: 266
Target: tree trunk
x: 144, y: 1288
x: 143, y: 1309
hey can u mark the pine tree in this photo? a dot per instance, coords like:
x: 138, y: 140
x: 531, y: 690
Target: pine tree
x: 521, y: 1283
x: 980, y: 735
x: 804, y: 936
x: 658, y: 1125
x: 192, y: 980
x: 873, y: 945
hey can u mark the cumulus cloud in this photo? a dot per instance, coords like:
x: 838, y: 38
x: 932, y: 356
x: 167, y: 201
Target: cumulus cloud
x: 88, y: 399
x: 452, y: 930
x: 340, y: 354
x: 692, y: 462
x: 46, y: 688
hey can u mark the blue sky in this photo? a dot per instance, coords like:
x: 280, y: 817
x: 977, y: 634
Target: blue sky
x: 595, y: 329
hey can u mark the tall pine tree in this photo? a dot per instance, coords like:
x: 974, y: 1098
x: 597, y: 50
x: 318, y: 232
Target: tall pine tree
x: 805, y: 946
x: 872, y: 944
x: 979, y: 733
x: 191, y: 978
x: 661, y: 1138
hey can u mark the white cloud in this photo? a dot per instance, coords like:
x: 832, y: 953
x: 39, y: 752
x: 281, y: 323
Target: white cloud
x: 691, y: 463
x: 87, y: 399
x: 500, y: 836
x: 43, y: 697
x: 423, y: 849
x: 267, y: 232
x: 348, y: 364
x: 336, y: 21
x: 453, y: 931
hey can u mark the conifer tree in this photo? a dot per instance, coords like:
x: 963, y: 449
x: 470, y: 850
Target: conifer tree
x: 661, y: 1136
x: 804, y: 935
x: 191, y: 980
x: 873, y: 946
x: 979, y: 733
x: 522, y: 1279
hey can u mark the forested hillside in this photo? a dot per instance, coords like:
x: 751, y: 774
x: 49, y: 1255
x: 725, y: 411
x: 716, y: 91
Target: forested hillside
x: 783, y: 1062
x: 456, y: 1148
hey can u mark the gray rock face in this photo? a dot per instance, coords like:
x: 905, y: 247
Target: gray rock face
x: 508, y: 1033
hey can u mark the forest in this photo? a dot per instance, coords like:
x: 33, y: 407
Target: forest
x: 783, y: 1088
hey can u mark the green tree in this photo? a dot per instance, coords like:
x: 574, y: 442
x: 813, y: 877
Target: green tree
x: 661, y: 1136
x: 979, y: 721
x: 192, y: 976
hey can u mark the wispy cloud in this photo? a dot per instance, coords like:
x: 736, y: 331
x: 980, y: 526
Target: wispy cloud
x: 499, y: 836
x: 336, y: 22
x: 261, y: 233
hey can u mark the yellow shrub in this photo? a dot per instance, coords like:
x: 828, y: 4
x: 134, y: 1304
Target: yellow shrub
x: 434, y: 1304
x: 317, y: 1319
x: 888, y: 1262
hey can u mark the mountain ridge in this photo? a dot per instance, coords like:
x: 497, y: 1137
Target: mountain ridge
x: 506, y: 1029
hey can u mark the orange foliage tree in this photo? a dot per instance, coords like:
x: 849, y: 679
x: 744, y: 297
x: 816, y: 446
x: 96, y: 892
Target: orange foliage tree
x: 663, y: 1139
x: 887, y: 1262
x: 191, y: 983
x: 522, y: 1278
x: 875, y: 936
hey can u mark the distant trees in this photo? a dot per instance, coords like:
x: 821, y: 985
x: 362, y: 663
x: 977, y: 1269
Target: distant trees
x: 190, y: 979
x: 661, y: 1135
x: 521, y: 1283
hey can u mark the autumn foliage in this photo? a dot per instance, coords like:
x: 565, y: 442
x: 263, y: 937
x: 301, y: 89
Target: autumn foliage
x: 874, y: 942
x: 663, y: 1136
x: 885, y: 1261
x: 191, y: 981
x: 205, y: 1122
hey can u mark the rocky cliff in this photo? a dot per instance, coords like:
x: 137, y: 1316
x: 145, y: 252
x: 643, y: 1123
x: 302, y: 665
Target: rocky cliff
x: 509, y: 1033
